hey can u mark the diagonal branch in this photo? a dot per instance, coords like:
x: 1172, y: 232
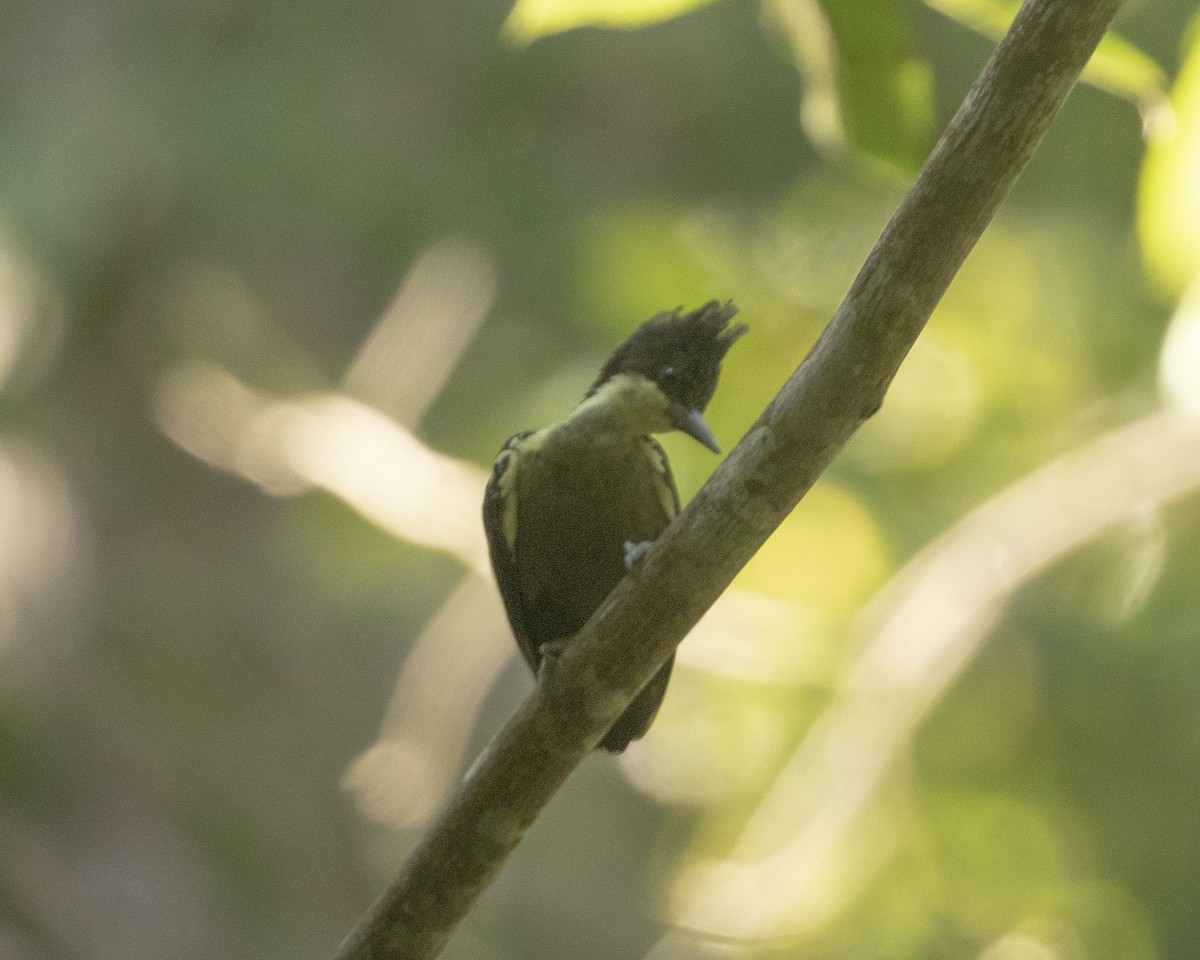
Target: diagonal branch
x: 839, y: 385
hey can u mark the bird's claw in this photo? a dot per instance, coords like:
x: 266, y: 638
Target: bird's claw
x: 548, y: 654
x: 635, y: 553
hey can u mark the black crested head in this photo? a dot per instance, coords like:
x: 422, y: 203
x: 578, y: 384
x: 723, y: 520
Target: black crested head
x: 680, y: 352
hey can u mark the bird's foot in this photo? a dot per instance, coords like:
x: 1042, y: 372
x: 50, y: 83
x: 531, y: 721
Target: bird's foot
x: 548, y: 654
x: 635, y: 553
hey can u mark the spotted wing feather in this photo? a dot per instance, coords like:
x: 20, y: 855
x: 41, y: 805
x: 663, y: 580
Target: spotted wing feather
x: 497, y: 505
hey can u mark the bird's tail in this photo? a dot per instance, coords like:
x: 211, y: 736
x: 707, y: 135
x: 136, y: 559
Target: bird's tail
x: 635, y: 721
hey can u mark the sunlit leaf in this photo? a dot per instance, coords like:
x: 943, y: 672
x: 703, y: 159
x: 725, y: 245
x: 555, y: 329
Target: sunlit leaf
x: 1117, y: 66
x: 886, y: 91
x: 1000, y: 858
x: 932, y: 408
x: 828, y: 554
x: 530, y: 19
x: 863, y: 84
x: 652, y: 239
x: 1179, y: 362
x: 1169, y: 201
x: 714, y: 740
x: 1120, y: 68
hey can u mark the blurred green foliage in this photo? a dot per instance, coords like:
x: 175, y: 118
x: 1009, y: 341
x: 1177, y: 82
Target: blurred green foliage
x: 192, y: 662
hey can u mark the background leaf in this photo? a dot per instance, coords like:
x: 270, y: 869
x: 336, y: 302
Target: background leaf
x: 530, y: 19
x: 865, y: 86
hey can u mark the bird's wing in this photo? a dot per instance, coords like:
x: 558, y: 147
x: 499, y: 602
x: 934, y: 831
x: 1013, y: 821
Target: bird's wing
x: 500, y: 525
x: 638, y: 716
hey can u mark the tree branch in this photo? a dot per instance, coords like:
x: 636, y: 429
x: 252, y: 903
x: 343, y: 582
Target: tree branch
x: 839, y: 385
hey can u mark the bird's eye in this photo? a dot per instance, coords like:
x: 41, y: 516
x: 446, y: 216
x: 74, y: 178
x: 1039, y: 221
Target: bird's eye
x: 666, y: 373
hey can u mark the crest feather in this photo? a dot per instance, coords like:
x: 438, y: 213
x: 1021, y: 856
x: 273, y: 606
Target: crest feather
x: 680, y: 352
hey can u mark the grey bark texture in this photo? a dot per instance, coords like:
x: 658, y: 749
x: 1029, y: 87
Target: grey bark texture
x: 839, y: 384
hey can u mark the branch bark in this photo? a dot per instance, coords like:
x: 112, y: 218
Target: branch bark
x: 840, y: 384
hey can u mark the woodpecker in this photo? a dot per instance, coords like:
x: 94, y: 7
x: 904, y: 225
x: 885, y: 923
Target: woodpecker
x: 570, y: 508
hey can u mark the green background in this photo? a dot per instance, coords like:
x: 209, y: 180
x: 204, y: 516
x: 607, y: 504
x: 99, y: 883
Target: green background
x: 191, y: 662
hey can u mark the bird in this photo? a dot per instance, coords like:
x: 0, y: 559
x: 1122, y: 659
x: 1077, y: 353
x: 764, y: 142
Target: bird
x: 571, y: 508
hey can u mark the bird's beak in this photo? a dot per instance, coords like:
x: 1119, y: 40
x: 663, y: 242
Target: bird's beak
x: 690, y: 422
